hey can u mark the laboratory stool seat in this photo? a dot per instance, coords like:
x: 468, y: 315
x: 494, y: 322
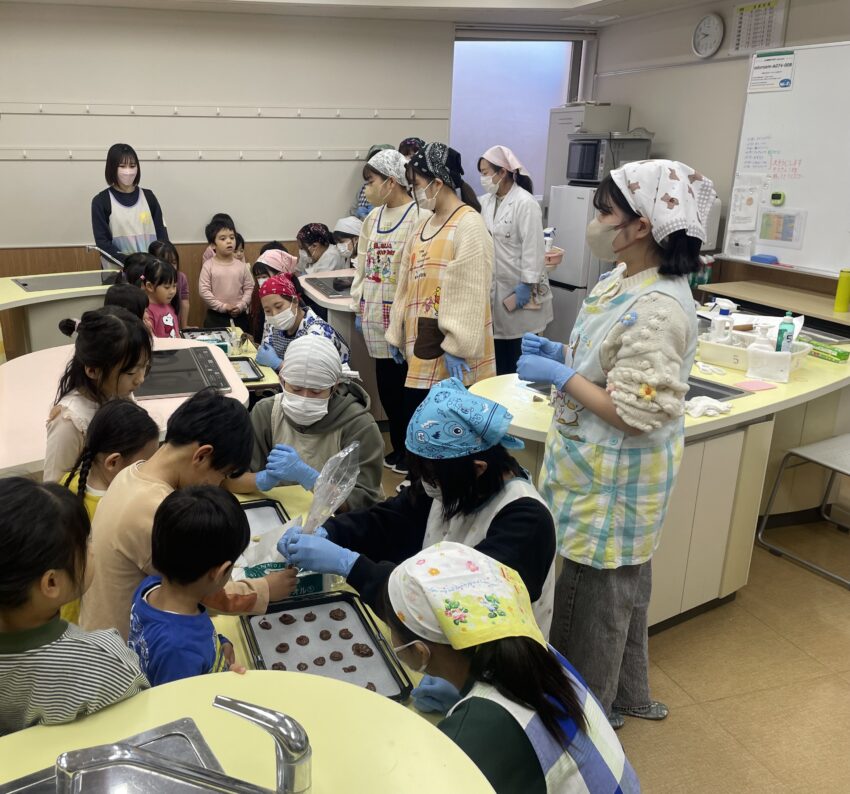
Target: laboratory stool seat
x: 832, y: 454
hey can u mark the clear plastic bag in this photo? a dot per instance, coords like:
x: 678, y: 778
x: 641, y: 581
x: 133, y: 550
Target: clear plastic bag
x: 334, y: 485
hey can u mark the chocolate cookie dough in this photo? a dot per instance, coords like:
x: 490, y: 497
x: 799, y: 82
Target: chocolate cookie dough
x: 324, y: 634
x: 302, y: 639
x: 287, y: 619
x: 371, y: 687
x: 350, y: 669
x: 309, y: 617
x: 337, y: 614
x: 319, y: 661
x: 278, y: 666
x: 362, y: 649
x: 336, y: 656
x: 345, y: 634
x: 282, y: 647
x: 302, y: 666
x: 264, y: 624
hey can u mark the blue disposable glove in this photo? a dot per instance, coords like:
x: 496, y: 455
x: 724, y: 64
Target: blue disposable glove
x: 456, y: 366
x: 434, y: 694
x: 523, y: 294
x: 284, y: 465
x: 267, y: 357
x: 315, y: 553
x: 539, y: 369
x: 397, y: 355
x: 358, y: 323
x: 534, y: 345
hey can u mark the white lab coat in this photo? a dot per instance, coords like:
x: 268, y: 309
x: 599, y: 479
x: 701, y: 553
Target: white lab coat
x: 330, y: 260
x: 517, y: 230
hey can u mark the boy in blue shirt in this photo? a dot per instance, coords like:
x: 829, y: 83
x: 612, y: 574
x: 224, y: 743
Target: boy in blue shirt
x: 198, y: 533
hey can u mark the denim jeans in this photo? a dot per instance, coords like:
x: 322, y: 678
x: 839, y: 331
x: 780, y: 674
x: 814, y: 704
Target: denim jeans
x: 600, y: 625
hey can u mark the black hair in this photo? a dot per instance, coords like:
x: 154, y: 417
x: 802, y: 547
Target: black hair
x: 410, y: 146
x: 274, y: 245
x: 464, y: 491
x: 129, y: 297
x: 120, y: 426
x: 315, y: 234
x: 215, y: 226
x: 679, y: 254
x: 222, y: 422
x: 43, y: 526
x: 120, y: 153
x: 134, y: 267
x: 260, y: 270
x: 158, y: 272
x: 107, y: 338
x: 196, y: 529
x: 240, y: 241
x: 224, y: 218
x: 165, y: 250
x: 523, y: 180
x: 467, y: 194
x: 521, y: 669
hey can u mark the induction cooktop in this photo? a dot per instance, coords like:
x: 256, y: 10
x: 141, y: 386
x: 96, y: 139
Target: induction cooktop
x: 52, y: 281
x: 182, y: 373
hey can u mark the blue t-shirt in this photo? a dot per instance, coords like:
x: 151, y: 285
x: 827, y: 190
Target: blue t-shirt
x: 172, y: 646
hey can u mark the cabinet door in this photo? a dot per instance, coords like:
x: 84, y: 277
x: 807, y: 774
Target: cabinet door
x: 712, y: 517
x: 670, y: 561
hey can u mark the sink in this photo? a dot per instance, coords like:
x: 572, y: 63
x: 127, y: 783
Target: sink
x: 717, y: 391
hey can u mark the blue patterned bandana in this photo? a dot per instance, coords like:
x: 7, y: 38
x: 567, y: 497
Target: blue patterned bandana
x: 452, y: 423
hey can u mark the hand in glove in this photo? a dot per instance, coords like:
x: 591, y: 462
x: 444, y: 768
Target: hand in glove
x: 315, y: 553
x: 397, y: 355
x: 284, y: 465
x: 434, y: 694
x: 539, y: 369
x: 456, y: 366
x: 267, y: 357
x: 534, y: 345
x: 523, y: 294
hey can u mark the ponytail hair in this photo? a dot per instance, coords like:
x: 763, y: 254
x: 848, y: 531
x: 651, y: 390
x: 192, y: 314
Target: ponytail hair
x: 120, y: 426
x: 468, y: 197
x: 524, y: 181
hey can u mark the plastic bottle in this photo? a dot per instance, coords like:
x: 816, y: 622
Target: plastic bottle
x: 721, y: 328
x: 842, y: 292
x: 548, y: 238
x: 785, y: 338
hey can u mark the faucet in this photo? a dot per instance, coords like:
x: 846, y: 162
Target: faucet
x: 292, y: 746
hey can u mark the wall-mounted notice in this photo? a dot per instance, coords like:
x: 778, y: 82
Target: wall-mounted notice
x: 782, y: 227
x: 771, y: 71
x: 757, y: 26
x: 756, y: 154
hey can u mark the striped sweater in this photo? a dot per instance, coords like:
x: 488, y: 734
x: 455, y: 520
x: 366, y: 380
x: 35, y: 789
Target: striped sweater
x: 57, y: 672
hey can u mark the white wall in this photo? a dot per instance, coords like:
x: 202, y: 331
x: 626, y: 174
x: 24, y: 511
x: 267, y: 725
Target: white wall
x: 119, y: 57
x: 696, y: 109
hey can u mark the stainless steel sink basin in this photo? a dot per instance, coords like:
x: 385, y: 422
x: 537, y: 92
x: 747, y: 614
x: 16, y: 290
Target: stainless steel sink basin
x: 717, y: 391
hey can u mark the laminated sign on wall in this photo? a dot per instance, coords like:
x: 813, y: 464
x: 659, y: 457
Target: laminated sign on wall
x: 771, y: 71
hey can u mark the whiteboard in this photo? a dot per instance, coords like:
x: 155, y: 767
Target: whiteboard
x: 794, y: 140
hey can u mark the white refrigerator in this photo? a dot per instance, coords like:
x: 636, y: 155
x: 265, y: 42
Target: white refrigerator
x: 570, y: 210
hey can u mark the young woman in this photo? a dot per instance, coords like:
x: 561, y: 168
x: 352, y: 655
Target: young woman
x: 440, y: 321
x: 346, y: 235
x: 317, y: 250
x: 273, y: 259
x: 362, y: 206
x: 525, y: 716
x: 384, y: 235
x: 618, y: 433
x: 514, y: 219
x: 125, y: 218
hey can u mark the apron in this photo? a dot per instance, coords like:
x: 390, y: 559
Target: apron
x: 607, y: 490
x: 132, y: 228
x: 315, y: 449
x: 382, y: 257
x: 472, y: 529
x: 428, y: 260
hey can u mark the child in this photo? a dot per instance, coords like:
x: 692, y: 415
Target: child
x: 346, y: 236
x: 239, y: 250
x: 198, y: 533
x: 273, y: 259
x: 51, y: 672
x: 317, y: 251
x: 160, y: 285
x: 208, y: 439
x: 209, y: 251
x: 134, y: 268
x: 128, y: 297
x: 225, y: 285
x: 112, y: 353
x: 168, y: 253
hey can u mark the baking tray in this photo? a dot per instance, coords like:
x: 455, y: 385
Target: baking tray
x: 246, y: 368
x: 381, y: 669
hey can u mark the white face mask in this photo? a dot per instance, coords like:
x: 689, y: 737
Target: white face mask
x: 304, y: 259
x: 432, y: 490
x: 344, y: 250
x: 282, y: 320
x: 304, y: 411
x: 422, y: 199
x: 126, y: 176
x: 489, y: 184
x: 600, y: 240
x: 262, y: 280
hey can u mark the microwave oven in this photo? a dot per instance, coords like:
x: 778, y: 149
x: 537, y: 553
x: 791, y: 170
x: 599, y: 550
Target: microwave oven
x: 592, y: 156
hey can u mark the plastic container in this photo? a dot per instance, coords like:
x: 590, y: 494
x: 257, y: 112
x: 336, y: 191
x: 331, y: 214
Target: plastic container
x: 785, y: 337
x: 736, y: 354
x: 842, y: 292
x: 721, y: 327
x: 552, y: 258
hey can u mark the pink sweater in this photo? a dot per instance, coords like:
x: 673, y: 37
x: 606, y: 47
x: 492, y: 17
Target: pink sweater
x: 225, y: 282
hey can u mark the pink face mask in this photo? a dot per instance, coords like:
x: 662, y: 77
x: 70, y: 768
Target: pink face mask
x: 126, y: 176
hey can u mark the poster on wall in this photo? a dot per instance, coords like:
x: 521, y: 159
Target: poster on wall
x: 771, y: 71
x: 758, y: 26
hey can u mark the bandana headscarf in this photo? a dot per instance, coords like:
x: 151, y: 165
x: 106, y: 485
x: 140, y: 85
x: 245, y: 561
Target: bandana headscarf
x: 279, y: 285
x: 454, y: 595
x: 451, y: 423
x: 390, y: 163
x: 503, y: 157
x: 417, y: 142
x: 670, y: 194
x: 279, y: 261
x: 439, y: 161
x: 349, y: 225
x: 375, y: 148
x: 314, y: 233
x: 311, y: 362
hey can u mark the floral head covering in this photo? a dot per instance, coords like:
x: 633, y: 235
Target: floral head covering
x: 390, y: 163
x: 670, y: 194
x: 439, y: 161
x: 452, y: 423
x: 454, y: 595
x: 279, y: 285
x: 416, y: 143
x: 314, y: 233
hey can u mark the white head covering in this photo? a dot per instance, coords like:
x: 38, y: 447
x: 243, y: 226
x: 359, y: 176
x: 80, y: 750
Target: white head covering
x: 503, y: 157
x: 670, y: 194
x: 311, y: 362
x: 391, y: 162
x: 349, y: 225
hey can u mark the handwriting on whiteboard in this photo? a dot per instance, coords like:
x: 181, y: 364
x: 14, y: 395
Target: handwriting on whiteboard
x: 756, y: 153
x: 783, y: 168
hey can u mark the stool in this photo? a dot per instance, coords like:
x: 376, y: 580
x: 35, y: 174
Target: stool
x: 832, y: 454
